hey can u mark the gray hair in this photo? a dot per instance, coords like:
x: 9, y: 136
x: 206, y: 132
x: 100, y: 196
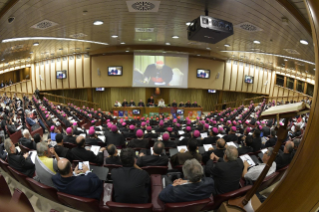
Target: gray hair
x: 7, y: 145
x: 270, y: 150
x: 231, y: 153
x: 26, y: 132
x: 41, y: 148
x: 193, y: 170
x: 296, y: 142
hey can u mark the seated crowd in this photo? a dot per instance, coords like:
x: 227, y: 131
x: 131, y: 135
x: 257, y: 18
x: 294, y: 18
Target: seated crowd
x: 141, y: 142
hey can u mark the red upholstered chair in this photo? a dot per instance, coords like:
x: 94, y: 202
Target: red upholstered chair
x: 15, y: 136
x: 4, y: 189
x: 24, y: 149
x: 124, y: 207
x: 39, y: 131
x: 4, y: 165
x: 79, y: 203
x: 52, y: 210
x: 19, y: 197
x: 112, y: 166
x: 179, y: 168
x: 157, y: 187
x: 217, y: 200
x: 22, y: 178
x: 187, y: 206
x: 268, y: 181
x: 281, y: 173
x: 28, y: 126
x: 162, y: 170
x: 69, y: 145
x: 44, y: 190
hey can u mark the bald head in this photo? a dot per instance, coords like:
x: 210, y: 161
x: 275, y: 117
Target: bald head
x: 231, y: 153
x: 289, y: 146
x: 80, y: 141
x: 221, y: 143
x: 65, y: 168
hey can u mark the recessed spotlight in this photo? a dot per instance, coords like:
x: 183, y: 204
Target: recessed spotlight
x: 163, y: 52
x: 98, y: 23
x: 36, y: 44
x: 31, y: 52
x: 198, y: 55
x: 304, y: 42
x: 127, y: 51
x: 114, y: 36
x: 227, y: 45
x: 175, y: 37
x: 167, y: 44
x: 256, y: 42
x: 242, y: 56
x: 188, y: 23
x: 285, y: 60
x: 208, y: 48
x: 122, y: 42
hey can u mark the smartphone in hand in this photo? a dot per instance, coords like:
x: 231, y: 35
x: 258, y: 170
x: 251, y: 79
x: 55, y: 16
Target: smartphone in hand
x: 80, y: 166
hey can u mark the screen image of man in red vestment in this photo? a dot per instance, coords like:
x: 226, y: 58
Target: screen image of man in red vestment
x: 158, y: 74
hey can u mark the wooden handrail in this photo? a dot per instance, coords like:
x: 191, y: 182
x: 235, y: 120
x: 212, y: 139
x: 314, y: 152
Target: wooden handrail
x: 68, y: 99
x: 9, y: 86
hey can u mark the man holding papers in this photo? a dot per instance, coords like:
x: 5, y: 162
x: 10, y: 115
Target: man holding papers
x: 219, y: 151
x: 254, y: 172
x: 155, y: 159
x: 185, y: 154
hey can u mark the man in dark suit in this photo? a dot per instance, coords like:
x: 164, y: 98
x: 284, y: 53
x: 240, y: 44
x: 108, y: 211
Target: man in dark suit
x: 149, y: 133
x: 80, y: 153
x: 265, y: 129
x: 272, y: 140
x: 60, y: 149
x: 124, y: 103
x: 69, y: 138
x: 150, y: 101
x: 284, y: 157
x: 183, y: 155
x: 85, y: 185
x: 113, y: 157
x: 219, y: 151
x: 188, y: 104
x: 174, y: 104
x: 141, y: 103
x: 195, y: 104
x: 181, y: 104
x: 19, y: 162
x: 156, y: 159
x: 130, y: 182
x: 132, y: 103
x: 231, y: 135
x: 256, y: 140
x: 75, y: 130
x: 226, y: 172
x: 194, y: 188
x: 27, y: 140
x: 139, y: 142
x: 114, y: 137
x: 247, y: 146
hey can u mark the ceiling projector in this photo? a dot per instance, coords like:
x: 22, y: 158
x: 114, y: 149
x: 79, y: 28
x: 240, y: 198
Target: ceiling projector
x: 209, y: 30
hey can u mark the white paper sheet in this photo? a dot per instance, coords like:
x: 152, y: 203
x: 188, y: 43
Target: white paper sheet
x: 248, y: 159
x: 207, y: 146
x: 102, y: 137
x: 181, y: 132
x: 179, y: 148
x: 204, y: 135
x: 95, y: 149
x: 231, y: 144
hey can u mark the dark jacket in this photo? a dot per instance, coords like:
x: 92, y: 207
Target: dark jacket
x: 130, y: 185
x: 113, y: 160
x: 19, y: 163
x: 244, y: 150
x: 266, y: 131
x: 138, y: 143
x: 80, y: 153
x: 3, y: 154
x: 92, y: 141
x: 271, y: 142
x: 115, y: 138
x: 256, y: 145
x: 180, y: 158
x: 64, y: 152
x: 226, y: 175
x: 27, y: 143
x: 218, y: 152
x: 188, y: 192
x: 69, y: 139
x: 210, y: 140
x: 89, y: 186
x: 152, y: 160
x: 283, y: 159
x: 230, y: 137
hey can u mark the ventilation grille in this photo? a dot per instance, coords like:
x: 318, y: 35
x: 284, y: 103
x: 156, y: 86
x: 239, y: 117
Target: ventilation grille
x: 58, y: 59
x: 65, y: 58
x: 79, y: 35
x: 86, y: 55
x: 143, y: 6
x: 144, y: 29
x: 78, y: 56
x: 291, y: 51
x: 71, y: 58
x: 248, y: 27
x: 45, y: 24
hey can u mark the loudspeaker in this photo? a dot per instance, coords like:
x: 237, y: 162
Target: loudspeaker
x: 98, y: 72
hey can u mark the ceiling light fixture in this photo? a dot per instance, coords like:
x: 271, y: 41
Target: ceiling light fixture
x: 127, y: 51
x: 49, y: 38
x: 164, y: 52
x: 285, y: 60
x: 208, y: 48
x: 256, y: 42
x: 175, y: 37
x: 122, y: 42
x: 198, y: 55
x: 227, y: 45
x: 34, y: 44
x: 98, y: 23
x: 114, y: 36
x: 167, y: 44
x: 188, y: 23
x: 304, y: 42
x: 257, y: 58
x: 269, y: 54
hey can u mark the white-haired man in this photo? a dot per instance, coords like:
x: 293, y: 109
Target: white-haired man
x: 27, y: 140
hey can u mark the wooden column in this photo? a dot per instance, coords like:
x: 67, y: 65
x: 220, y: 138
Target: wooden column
x: 305, y: 88
x: 285, y: 81
x: 299, y: 188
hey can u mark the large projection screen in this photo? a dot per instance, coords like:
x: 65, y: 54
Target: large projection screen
x: 160, y: 70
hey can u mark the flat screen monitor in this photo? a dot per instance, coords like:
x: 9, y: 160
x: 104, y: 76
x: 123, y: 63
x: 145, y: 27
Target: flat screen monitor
x: 160, y: 70
x: 211, y: 91
x: 203, y: 73
x: 115, y: 71
x: 61, y: 74
x: 99, y: 89
x: 180, y: 112
x: 136, y: 112
x: 249, y: 79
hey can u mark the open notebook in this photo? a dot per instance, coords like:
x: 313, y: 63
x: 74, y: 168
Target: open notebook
x: 248, y: 159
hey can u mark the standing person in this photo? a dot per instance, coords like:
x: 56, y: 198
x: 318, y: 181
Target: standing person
x: 150, y: 101
x: 158, y: 74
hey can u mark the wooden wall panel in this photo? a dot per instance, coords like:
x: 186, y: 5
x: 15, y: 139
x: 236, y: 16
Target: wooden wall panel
x: 24, y: 87
x: 12, y: 88
x: 272, y: 83
x: 18, y: 87
x: 47, y: 75
x: 256, y: 77
x: 87, y: 72
x: 72, y: 71
x: 264, y: 80
x: 227, y: 75
x: 42, y: 81
x: 29, y: 85
x: 240, y: 75
x: 65, y: 82
x: 260, y: 80
x: 209, y: 100
x: 246, y: 72
x: 79, y: 71
x: 280, y: 91
x: 251, y: 72
x: 58, y: 66
x: 183, y: 95
x: 233, y: 76
x: 53, y: 73
x: 103, y: 99
x: 275, y: 93
x: 37, y: 78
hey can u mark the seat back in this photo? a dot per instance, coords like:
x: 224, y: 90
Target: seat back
x: 4, y: 165
x: 219, y: 199
x: 68, y: 145
x: 39, y: 131
x: 268, y: 181
x: 4, y: 189
x: 44, y: 190
x: 179, y: 168
x: 162, y: 170
x: 79, y: 203
x: 187, y: 206
x: 281, y: 173
x: 125, y: 207
x: 22, y: 178
x: 19, y: 197
x: 24, y: 149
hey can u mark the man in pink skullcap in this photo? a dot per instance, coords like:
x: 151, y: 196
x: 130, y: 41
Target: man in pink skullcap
x: 139, y: 141
x: 231, y: 135
x: 167, y: 142
x: 196, y: 134
x: 92, y: 138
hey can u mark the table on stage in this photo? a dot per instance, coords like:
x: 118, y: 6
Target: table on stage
x: 188, y: 111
